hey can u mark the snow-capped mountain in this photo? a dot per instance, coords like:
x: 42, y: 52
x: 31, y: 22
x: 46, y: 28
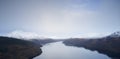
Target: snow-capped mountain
x: 24, y: 35
x: 115, y: 34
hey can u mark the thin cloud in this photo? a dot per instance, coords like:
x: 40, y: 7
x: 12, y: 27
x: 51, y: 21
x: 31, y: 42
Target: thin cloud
x: 24, y: 35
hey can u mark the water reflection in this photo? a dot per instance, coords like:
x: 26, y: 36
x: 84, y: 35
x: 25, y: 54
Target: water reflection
x: 59, y: 51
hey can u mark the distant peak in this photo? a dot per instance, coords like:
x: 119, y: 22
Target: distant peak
x: 23, y: 35
x: 115, y: 34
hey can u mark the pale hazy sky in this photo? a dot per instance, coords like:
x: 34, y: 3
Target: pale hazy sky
x: 60, y: 18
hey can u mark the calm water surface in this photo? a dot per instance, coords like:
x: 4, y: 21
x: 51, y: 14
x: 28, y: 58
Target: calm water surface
x: 59, y: 51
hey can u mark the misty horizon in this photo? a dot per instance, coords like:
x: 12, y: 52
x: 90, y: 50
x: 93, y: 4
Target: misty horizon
x: 33, y: 35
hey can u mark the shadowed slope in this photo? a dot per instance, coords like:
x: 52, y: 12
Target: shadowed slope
x: 12, y: 48
x: 109, y: 45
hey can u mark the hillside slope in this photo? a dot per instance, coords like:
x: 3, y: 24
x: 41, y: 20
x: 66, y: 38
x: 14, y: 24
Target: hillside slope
x: 12, y: 48
x: 109, y: 45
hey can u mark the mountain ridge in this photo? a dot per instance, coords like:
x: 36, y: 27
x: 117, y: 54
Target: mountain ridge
x: 108, y: 45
